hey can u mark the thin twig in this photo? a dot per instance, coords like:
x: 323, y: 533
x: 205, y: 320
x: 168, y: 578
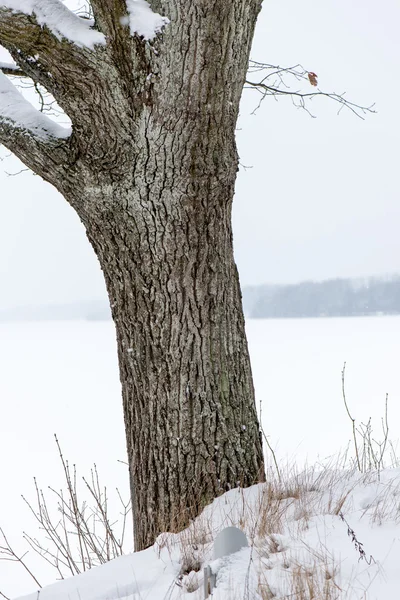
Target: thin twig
x: 353, y: 421
x: 11, y: 555
x: 274, y: 83
x: 268, y: 444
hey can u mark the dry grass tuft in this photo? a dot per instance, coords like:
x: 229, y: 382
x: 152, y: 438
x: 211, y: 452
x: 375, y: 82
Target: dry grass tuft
x: 308, y: 583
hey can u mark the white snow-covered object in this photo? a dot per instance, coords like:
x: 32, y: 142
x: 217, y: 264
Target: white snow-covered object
x: 143, y: 21
x: 229, y: 541
x: 62, y: 22
x: 17, y: 111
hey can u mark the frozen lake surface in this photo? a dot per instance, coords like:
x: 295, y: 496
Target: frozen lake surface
x: 62, y: 378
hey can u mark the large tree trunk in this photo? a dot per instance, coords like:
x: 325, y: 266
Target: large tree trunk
x: 151, y: 173
x: 191, y: 424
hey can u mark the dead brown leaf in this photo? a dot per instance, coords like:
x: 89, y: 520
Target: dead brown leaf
x: 312, y: 77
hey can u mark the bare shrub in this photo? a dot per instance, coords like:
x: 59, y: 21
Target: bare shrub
x: 371, y: 453
x: 76, y: 529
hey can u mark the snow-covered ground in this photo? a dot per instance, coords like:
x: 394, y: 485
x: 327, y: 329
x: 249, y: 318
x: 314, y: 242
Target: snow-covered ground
x: 63, y: 378
x: 321, y: 536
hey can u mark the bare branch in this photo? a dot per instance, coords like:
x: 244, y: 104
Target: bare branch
x: 8, y: 553
x: 274, y: 82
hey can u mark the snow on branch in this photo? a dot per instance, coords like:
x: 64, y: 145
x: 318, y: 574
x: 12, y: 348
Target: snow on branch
x: 11, y: 69
x: 22, y: 116
x: 40, y: 143
x: 143, y: 21
x: 56, y: 64
x: 59, y: 20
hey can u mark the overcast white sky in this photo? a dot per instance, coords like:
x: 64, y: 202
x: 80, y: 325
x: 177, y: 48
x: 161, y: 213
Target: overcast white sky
x: 321, y: 199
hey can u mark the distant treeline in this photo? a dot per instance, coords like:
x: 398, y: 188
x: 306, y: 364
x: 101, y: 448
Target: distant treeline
x: 331, y: 298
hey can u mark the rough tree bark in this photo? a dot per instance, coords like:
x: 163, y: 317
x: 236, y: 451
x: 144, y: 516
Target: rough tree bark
x: 150, y: 169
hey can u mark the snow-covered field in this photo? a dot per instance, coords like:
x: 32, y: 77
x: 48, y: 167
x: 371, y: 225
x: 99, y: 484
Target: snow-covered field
x: 63, y: 378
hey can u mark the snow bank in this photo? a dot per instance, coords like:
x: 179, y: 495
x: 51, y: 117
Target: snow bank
x: 62, y: 22
x: 305, y: 534
x: 143, y: 21
x: 17, y: 111
x: 119, y: 579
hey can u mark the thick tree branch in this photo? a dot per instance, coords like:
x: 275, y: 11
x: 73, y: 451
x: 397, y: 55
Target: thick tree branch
x: 38, y: 141
x: 40, y: 53
x: 127, y: 50
x: 48, y: 159
x: 108, y: 15
x: 112, y: 16
x: 55, y: 17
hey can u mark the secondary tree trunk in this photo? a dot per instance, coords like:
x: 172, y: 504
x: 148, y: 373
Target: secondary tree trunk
x: 151, y: 171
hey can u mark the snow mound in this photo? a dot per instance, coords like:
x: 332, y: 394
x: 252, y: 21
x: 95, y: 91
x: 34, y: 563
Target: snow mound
x: 315, y: 534
x: 62, y: 22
